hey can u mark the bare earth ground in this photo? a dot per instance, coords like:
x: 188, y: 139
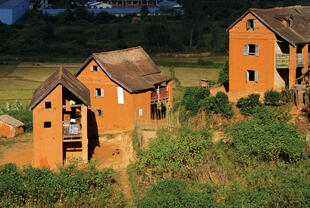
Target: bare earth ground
x: 116, y: 153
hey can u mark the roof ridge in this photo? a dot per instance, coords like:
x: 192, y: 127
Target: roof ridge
x: 117, y: 51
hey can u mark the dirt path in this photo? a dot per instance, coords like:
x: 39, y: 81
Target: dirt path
x: 117, y: 153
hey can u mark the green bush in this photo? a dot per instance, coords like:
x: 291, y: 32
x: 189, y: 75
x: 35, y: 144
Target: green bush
x: 267, y: 137
x: 247, y: 105
x: 174, y: 154
x: 224, y: 74
x: 286, y: 96
x: 174, y: 193
x: 218, y: 104
x: 272, y: 97
x: 70, y: 186
x: 191, y: 98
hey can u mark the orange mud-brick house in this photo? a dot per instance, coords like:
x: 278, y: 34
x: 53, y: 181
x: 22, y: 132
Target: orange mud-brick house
x: 269, y: 49
x: 10, y: 127
x: 125, y: 86
x: 60, y: 106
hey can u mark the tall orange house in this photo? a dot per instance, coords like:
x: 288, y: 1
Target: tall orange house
x: 269, y: 49
x: 125, y: 86
x: 110, y: 92
x: 60, y: 107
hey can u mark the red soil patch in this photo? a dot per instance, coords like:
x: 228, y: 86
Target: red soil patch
x: 20, y: 152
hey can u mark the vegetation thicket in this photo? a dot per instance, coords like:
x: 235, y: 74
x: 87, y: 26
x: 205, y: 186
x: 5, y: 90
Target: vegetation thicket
x: 197, y: 98
x: 69, y: 186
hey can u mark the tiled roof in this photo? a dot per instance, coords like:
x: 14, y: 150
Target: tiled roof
x: 131, y: 68
x: 298, y: 33
x: 67, y: 80
x: 11, y: 121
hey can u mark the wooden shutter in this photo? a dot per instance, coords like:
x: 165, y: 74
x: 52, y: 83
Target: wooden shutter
x: 247, y: 24
x: 91, y: 68
x: 256, y: 50
x: 120, y: 95
x: 245, y: 49
x: 102, y: 92
x: 254, y: 24
x: 247, y: 75
x: 96, y: 94
x: 256, y: 76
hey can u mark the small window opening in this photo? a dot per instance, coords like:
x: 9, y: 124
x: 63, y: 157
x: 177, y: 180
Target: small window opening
x: 140, y: 112
x: 94, y: 68
x: 252, y: 76
x: 47, y: 124
x: 250, y: 24
x: 100, y: 113
x: 48, y: 105
x: 99, y: 92
x: 252, y: 49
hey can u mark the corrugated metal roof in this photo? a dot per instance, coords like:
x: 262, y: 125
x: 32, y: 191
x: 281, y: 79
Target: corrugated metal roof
x: 9, y: 4
x: 11, y: 121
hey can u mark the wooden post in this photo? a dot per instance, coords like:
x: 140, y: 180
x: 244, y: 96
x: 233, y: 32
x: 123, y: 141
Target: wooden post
x: 292, y: 65
x: 84, y: 134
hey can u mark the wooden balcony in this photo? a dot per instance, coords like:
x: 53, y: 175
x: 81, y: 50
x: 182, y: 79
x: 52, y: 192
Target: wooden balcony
x: 72, y: 131
x: 282, y: 60
x: 159, y: 95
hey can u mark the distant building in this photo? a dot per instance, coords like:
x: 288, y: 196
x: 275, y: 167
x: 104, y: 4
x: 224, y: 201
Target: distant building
x: 169, y: 4
x: 132, y: 3
x: 119, y: 12
x: 10, y: 127
x: 12, y: 10
x: 97, y: 5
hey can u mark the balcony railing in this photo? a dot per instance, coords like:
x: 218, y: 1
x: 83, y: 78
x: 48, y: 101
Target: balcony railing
x: 159, y: 94
x: 300, y: 59
x: 72, y: 130
x: 283, y: 60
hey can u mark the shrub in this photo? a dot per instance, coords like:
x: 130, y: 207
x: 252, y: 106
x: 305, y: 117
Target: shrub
x: 218, y: 104
x: 174, y: 154
x: 247, y: 105
x: 286, y: 96
x: 70, y: 186
x: 191, y: 98
x: 267, y: 137
x: 224, y: 74
x: 174, y: 193
x: 272, y: 97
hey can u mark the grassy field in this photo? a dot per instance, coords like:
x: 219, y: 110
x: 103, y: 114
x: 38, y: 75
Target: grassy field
x: 19, y: 83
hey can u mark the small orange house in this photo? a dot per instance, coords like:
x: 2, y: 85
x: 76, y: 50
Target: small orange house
x: 59, y: 107
x: 125, y: 86
x: 269, y: 49
x: 10, y: 127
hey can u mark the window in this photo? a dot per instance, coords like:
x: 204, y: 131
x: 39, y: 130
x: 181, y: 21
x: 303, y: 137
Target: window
x: 100, y: 113
x: 94, y: 68
x: 250, y: 50
x: 120, y: 95
x: 251, y: 76
x: 48, y: 105
x: 140, y: 112
x: 47, y: 124
x: 251, y: 24
x: 99, y: 92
